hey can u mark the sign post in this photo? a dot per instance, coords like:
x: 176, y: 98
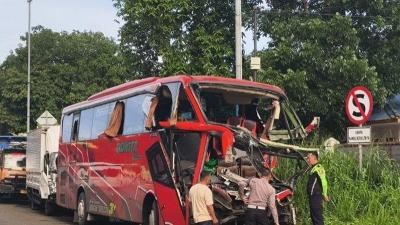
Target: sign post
x: 360, y: 154
x: 359, y: 105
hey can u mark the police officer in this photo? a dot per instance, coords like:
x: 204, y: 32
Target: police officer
x: 317, y: 189
x: 262, y: 197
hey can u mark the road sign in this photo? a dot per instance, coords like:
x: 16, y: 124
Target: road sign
x: 359, y: 105
x: 255, y: 63
x: 46, y: 119
x: 358, y: 135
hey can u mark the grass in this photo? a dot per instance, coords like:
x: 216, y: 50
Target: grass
x: 369, y: 197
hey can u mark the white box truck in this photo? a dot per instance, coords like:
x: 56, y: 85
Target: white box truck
x: 41, y: 167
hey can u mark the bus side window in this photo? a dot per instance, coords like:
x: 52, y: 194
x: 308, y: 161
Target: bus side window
x: 75, y: 127
x: 136, y: 111
x: 185, y: 109
x: 164, y: 105
x: 66, y: 128
x: 101, y: 119
x: 115, y: 126
x: 85, y: 126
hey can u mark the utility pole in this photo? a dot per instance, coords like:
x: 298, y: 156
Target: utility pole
x: 255, y: 62
x: 238, y: 38
x: 28, y: 102
x: 255, y: 38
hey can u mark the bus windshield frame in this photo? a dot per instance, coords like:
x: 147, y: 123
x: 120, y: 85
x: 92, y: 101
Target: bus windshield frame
x: 286, y: 124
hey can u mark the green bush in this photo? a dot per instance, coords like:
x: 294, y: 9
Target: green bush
x: 369, y: 197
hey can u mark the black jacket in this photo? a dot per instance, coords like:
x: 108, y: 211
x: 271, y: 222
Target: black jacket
x: 317, y: 184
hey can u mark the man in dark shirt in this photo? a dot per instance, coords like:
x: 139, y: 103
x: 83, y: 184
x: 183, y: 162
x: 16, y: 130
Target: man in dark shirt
x: 262, y: 196
x: 317, y: 189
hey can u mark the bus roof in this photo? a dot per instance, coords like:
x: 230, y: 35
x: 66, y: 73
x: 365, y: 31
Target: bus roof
x: 185, y: 79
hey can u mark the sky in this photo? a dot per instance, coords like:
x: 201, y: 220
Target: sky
x: 58, y: 15
x: 64, y: 15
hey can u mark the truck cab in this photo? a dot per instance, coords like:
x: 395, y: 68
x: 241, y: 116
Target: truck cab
x: 12, y: 172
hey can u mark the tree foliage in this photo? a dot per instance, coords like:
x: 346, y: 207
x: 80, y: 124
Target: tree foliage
x: 65, y: 68
x: 179, y: 36
x: 320, y: 49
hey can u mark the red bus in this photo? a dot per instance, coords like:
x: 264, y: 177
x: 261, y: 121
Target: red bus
x: 132, y: 152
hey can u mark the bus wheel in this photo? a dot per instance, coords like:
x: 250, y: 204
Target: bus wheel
x: 152, y: 217
x: 49, y: 208
x: 81, y: 210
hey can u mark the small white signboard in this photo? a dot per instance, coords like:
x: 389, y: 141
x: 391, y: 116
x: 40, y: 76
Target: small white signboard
x: 359, y: 135
x: 255, y: 63
x: 46, y: 119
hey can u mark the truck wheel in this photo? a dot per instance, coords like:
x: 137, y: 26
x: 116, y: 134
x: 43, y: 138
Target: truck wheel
x: 81, y: 210
x: 34, y: 205
x: 49, y: 208
x: 152, y: 217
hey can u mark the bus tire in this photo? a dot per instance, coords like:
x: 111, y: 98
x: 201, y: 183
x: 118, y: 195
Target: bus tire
x: 49, y: 208
x: 152, y: 215
x: 81, y: 210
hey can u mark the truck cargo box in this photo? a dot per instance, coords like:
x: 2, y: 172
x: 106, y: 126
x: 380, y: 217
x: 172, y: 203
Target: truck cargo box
x: 41, y: 154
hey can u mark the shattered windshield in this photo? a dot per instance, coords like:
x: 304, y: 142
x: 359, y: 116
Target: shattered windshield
x: 264, y: 113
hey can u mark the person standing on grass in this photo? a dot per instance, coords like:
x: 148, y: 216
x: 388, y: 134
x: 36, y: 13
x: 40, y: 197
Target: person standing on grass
x: 261, y: 201
x: 202, y: 202
x: 317, y: 189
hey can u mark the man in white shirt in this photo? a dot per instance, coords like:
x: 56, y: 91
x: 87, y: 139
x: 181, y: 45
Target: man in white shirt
x: 202, y: 202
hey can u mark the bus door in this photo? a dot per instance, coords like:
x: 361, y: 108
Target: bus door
x: 168, y: 197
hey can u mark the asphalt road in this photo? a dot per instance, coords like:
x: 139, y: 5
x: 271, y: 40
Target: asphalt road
x: 19, y: 213
x: 14, y: 212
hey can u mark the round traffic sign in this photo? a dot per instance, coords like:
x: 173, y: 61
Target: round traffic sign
x: 359, y: 105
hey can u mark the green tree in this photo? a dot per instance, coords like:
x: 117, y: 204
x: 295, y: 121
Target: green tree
x: 378, y: 26
x: 316, y: 61
x: 320, y: 49
x: 65, y: 68
x: 179, y: 36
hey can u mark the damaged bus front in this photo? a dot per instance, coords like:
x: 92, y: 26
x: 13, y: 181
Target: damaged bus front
x: 249, y: 127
